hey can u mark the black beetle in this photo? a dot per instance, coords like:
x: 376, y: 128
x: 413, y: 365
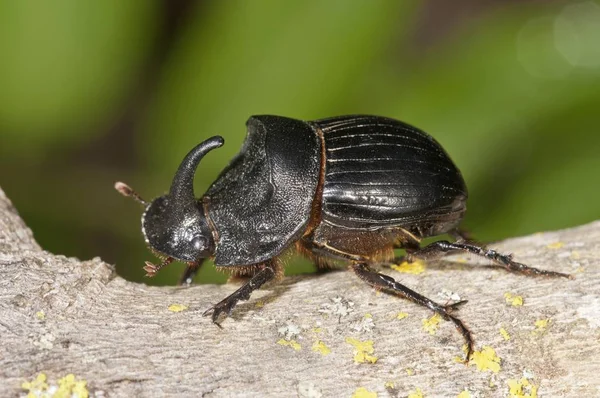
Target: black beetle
x: 349, y: 188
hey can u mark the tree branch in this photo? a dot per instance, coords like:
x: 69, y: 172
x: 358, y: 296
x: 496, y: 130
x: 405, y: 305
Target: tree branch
x: 304, y: 336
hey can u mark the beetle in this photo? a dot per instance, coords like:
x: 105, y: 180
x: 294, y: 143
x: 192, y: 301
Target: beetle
x: 347, y: 189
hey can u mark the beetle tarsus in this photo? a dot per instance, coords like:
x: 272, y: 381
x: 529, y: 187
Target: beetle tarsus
x: 226, y: 305
x: 390, y: 285
x: 439, y: 248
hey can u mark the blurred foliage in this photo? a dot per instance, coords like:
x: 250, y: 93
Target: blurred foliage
x: 65, y: 67
x: 91, y: 93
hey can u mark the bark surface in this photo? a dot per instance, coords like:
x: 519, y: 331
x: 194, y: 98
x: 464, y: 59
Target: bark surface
x: 308, y: 336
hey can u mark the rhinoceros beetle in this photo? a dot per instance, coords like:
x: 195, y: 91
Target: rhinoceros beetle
x: 346, y: 189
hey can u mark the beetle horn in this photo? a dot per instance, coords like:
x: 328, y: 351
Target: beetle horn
x: 182, y: 187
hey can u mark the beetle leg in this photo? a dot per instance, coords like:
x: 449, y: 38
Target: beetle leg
x: 437, y: 249
x: 390, y: 285
x: 267, y: 273
x: 190, y: 271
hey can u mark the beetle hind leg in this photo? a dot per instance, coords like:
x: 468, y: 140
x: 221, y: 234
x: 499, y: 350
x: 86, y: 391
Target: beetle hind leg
x: 441, y: 247
x: 390, y: 285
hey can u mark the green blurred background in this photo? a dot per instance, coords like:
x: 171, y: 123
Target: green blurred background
x: 95, y: 92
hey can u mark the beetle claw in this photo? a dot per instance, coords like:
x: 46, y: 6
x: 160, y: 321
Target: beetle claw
x: 224, y: 307
x: 454, y: 306
x: 215, y: 311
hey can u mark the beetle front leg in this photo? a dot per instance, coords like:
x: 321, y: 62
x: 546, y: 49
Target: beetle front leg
x: 436, y: 249
x: 390, y: 285
x: 265, y: 274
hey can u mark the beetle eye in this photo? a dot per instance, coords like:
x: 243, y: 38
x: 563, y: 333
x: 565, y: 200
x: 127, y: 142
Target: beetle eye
x: 199, y: 243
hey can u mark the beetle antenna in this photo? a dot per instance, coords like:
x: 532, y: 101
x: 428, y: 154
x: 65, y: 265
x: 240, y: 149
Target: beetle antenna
x: 126, y: 190
x: 151, y: 269
x: 182, y: 187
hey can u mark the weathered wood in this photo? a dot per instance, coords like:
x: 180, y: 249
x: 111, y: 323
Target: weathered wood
x: 60, y: 315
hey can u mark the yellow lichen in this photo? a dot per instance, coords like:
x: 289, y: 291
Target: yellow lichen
x: 575, y: 255
x: 321, y: 348
x: 367, y: 315
x: 317, y: 330
x: 401, y: 315
x: 555, y: 245
x: 68, y: 387
x: 464, y: 394
x: 362, y: 350
x: 416, y: 394
x: 362, y: 392
x: 515, y: 301
x: 486, y: 359
x: 522, y: 388
x: 410, y: 371
x: 541, y: 325
x: 262, y: 302
x: 390, y: 385
x: 37, y: 386
x: 430, y: 325
x: 504, y: 334
x: 41, y: 315
x: 177, y: 307
x: 416, y: 267
x: 290, y: 343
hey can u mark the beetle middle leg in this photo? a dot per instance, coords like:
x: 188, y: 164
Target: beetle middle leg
x: 268, y: 271
x: 441, y: 247
x: 360, y: 265
x: 390, y: 285
x: 190, y: 272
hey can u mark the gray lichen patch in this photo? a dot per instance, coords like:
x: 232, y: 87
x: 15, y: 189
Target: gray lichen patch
x: 337, y: 307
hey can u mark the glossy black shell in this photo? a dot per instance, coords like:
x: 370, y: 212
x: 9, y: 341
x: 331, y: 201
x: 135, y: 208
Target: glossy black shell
x: 262, y: 201
x: 379, y: 174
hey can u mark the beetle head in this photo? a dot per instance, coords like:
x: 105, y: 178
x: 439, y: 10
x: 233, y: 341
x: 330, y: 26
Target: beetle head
x: 174, y: 225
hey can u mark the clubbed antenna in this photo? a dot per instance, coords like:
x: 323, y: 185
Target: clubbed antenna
x: 126, y: 190
x: 151, y: 269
